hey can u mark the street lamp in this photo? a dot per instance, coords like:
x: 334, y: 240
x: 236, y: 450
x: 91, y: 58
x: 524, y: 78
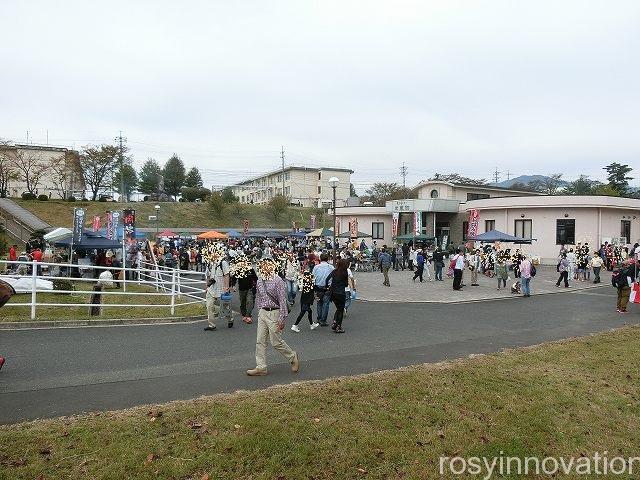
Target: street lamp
x: 157, y: 207
x: 333, y: 183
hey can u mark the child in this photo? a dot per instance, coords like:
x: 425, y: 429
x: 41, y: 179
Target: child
x: 306, y: 282
x: 501, y: 272
x: 212, y: 308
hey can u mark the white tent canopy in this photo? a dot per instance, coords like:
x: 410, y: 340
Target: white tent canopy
x: 57, y: 234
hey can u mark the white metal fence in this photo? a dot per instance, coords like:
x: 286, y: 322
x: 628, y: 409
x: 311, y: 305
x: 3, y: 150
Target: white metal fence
x: 184, y: 287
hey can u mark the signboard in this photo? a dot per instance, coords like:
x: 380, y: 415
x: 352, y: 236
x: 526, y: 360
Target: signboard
x: 394, y: 224
x: 474, y: 218
x: 78, y: 224
x: 354, y: 227
x: 402, y: 206
x: 96, y: 223
x: 129, y: 225
x: 445, y: 241
x: 312, y: 222
x: 417, y: 223
x: 245, y: 227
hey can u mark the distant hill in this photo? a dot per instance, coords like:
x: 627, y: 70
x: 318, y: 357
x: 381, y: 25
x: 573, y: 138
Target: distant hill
x: 524, y: 179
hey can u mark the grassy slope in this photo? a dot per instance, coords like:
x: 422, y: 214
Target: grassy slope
x: 172, y: 214
x: 567, y: 398
x: 22, y: 314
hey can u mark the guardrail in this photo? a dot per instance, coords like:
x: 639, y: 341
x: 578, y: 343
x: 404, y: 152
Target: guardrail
x: 168, y: 282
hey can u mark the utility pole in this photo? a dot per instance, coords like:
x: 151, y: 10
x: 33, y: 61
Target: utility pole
x: 496, y: 175
x: 403, y: 173
x: 119, y: 139
x: 282, y: 157
x: 508, y: 175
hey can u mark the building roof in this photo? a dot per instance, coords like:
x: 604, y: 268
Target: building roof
x: 476, y: 185
x: 30, y: 146
x: 554, y: 201
x: 288, y: 169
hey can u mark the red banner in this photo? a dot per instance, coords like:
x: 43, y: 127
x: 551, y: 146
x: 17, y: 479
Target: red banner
x: 474, y: 220
x: 245, y: 227
x: 354, y: 227
x: 96, y: 223
x: 394, y: 224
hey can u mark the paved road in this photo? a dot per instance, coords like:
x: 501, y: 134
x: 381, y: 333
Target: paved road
x: 66, y: 371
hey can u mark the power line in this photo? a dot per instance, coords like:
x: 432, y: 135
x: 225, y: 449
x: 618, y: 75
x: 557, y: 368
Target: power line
x: 119, y: 139
x: 496, y: 176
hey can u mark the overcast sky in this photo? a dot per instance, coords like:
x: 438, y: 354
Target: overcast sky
x: 528, y: 87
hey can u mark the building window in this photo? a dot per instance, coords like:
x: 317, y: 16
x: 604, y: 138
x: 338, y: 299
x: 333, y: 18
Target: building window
x: 523, y: 228
x: 319, y: 175
x: 287, y: 175
x: 465, y: 230
x: 242, y: 199
x: 287, y: 191
x: 489, y: 225
x: 434, y: 193
x: 565, y: 231
x: 279, y: 178
x: 625, y: 230
x: 477, y: 196
x: 319, y: 190
x: 377, y: 230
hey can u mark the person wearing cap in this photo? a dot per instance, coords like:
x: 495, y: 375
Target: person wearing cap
x: 271, y: 298
x: 474, y: 266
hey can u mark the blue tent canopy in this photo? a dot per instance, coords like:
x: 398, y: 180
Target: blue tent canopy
x: 497, y: 236
x: 297, y: 234
x: 234, y: 234
x: 90, y: 241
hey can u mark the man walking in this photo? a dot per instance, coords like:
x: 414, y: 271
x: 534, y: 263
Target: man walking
x: 457, y: 269
x: 623, y: 282
x: 405, y: 255
x: 219, y: 274
x: 384, y: 260
x: 563, y: 268
x: 596, y: 264
x: 320, y: 274
x: 419, y: 266
x: 271, y: 298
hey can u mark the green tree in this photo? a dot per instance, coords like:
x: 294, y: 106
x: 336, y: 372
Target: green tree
x: 457, y: 178
x: 381, y: 192
x: 549, y: 185
x: 97, y: 163
x: 606, y: 189
x: 228, y: 196
x: 149, y: 177
x: 352, y: 190
x: 174, y: 176
x: 193, y: 178
x: 217, y: 205
x: 191, y: 194
x: 129, y: 177
x: 617, y: 177
x: 583, y: 185
x: 278, y: 206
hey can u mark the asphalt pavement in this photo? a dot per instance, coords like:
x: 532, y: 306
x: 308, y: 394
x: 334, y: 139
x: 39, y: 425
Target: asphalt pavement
x: 64, y: 371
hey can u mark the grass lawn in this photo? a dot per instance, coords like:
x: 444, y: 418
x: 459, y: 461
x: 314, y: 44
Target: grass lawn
x: 568, y: 398
x: 22, y: 314
x: 172, y: 214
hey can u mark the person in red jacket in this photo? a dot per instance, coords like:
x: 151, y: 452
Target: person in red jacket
x: 13, y: 253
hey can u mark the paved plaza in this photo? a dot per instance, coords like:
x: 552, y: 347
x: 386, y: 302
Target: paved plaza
x: 403, y: 289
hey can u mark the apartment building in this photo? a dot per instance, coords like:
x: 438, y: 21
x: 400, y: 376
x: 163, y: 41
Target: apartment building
x: 304, y: 186
x: 52, y: 171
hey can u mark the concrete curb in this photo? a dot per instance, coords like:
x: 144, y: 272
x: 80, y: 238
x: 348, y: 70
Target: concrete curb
x: 96, y: 323
x: 478, y: 300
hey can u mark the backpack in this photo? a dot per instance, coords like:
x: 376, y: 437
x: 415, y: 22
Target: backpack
x: 619, y: 277
x: 533, y: 270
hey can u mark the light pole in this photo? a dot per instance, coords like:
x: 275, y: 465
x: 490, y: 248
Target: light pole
x: 333, y: 183
x: 157, y: 207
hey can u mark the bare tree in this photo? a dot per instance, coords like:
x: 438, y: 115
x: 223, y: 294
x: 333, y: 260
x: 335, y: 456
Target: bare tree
x: 30, y: 168
x: 7, y: 169
x: 97, y: 163
x: 60, y: 173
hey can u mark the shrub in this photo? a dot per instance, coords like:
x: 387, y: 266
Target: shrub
x: 28, y: 196
x: 63, y: 285
x: 71, y: 199
x: 43, y: 197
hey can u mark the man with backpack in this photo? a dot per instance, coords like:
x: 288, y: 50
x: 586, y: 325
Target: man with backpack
x: 527, y: 271
x: 622, y: 278
x: 384, y: 260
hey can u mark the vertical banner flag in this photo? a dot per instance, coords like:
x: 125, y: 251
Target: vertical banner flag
x: 129, y: 225
x: 312, y: 222
x: 78, y: 224
x: 294, y: 228
x: 394, y: 224
x: 116, y: 215
x: 474, y: 217
x: 245, y: 227
x: 336, y: 227
x: 354, y: 227
x: 96, y: 223
x: 109, y: 229
x: 417, y: 223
